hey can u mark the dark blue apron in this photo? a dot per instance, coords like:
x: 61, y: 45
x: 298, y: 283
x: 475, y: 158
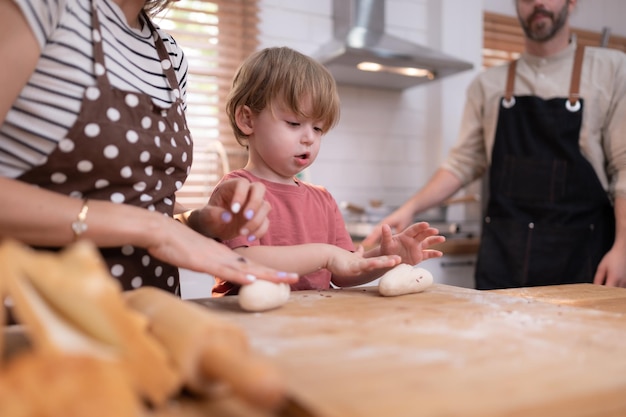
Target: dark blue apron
x: 548, y: 219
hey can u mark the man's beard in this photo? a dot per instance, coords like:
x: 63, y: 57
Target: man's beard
x: 543, y: 31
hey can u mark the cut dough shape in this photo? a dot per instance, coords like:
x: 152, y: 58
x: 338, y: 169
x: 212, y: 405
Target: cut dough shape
x: 404, y: 279
x: 263, y: 295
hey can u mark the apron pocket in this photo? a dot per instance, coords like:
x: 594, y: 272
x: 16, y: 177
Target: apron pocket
x: 513, y: 254
x: 561, y: 255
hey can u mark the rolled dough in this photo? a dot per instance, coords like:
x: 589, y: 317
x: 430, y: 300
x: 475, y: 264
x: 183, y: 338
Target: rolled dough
x: 263, y: 295
x: 404, y: 279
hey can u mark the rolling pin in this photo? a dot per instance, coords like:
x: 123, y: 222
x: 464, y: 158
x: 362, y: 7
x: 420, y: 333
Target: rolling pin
x: 207, y: 349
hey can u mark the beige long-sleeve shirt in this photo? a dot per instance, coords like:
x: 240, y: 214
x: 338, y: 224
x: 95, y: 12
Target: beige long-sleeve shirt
x: 603, y: 133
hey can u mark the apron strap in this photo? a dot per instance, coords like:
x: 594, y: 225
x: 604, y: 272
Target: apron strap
x: 574, y: 89
x: 98, y: 49
x: 572, y: 103
x: 164, y: 56
x: 510, y: 81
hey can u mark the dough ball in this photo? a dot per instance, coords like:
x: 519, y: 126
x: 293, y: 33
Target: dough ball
x: 263, y: 295
x: 404, y: 279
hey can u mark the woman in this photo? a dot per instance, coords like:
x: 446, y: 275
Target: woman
x: 94, y: 145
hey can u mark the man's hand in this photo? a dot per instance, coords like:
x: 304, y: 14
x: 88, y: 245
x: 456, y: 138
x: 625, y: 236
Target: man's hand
x: 611, y: 270
x: 398, y: 220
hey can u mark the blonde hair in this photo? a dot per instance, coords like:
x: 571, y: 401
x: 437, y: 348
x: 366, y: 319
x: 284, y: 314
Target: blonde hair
x: 282, y: 75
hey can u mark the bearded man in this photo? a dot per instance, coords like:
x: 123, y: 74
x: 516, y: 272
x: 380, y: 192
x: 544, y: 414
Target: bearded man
x: 549, y: 130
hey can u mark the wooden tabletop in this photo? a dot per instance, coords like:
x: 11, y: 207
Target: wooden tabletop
x: 546, y: 351
x: 448, y: 351
x: 597, y: 297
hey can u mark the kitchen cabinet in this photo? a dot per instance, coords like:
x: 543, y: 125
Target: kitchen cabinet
x: 452, y: 269
x: 457, y: 265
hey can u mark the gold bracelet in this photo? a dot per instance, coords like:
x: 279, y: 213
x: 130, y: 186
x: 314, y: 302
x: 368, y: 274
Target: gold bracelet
x: 79, y: 226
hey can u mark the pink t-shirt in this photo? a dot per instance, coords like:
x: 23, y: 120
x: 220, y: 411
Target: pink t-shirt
x: 302, y: 213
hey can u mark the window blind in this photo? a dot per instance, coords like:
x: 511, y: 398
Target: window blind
x: 503, y: 39
x: 216, y: 37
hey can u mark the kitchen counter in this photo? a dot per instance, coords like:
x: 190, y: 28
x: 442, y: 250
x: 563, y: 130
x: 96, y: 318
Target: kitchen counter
x: 459, y: 246
x: 452, y: 245
x: 448, y: 351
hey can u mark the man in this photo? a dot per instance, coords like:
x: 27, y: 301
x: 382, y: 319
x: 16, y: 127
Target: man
x: 550, y: 131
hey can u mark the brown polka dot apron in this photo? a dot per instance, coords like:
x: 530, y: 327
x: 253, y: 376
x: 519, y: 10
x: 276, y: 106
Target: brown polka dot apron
x: 126, y: 150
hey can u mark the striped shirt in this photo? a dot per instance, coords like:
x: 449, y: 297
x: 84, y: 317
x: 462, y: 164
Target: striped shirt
x: 49, y: 103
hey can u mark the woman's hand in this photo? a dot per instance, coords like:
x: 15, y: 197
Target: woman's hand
x: 236, y: 207
x: 178, y: 245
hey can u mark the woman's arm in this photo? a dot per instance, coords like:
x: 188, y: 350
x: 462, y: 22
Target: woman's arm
x: 19, y: 46
x: 43, y: 218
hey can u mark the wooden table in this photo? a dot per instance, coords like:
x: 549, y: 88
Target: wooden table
x: 448, y: 351
x: 546, y: 351
x: 598, y: 297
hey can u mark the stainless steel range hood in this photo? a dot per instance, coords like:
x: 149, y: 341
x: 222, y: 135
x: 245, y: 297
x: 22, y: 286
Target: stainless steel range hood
x: 387, y: 61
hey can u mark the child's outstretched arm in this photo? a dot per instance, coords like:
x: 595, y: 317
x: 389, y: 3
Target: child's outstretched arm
x: 412, y: 246
x: 310, y: 257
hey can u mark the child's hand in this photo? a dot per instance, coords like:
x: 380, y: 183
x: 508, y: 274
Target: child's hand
x: 412, y: 243
x: 350, y: 264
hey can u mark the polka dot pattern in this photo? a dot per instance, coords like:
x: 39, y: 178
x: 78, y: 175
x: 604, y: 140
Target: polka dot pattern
x: 92, y: 93
x: 85, y: 166
x: 125, y: 150
x: 66, y: 145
